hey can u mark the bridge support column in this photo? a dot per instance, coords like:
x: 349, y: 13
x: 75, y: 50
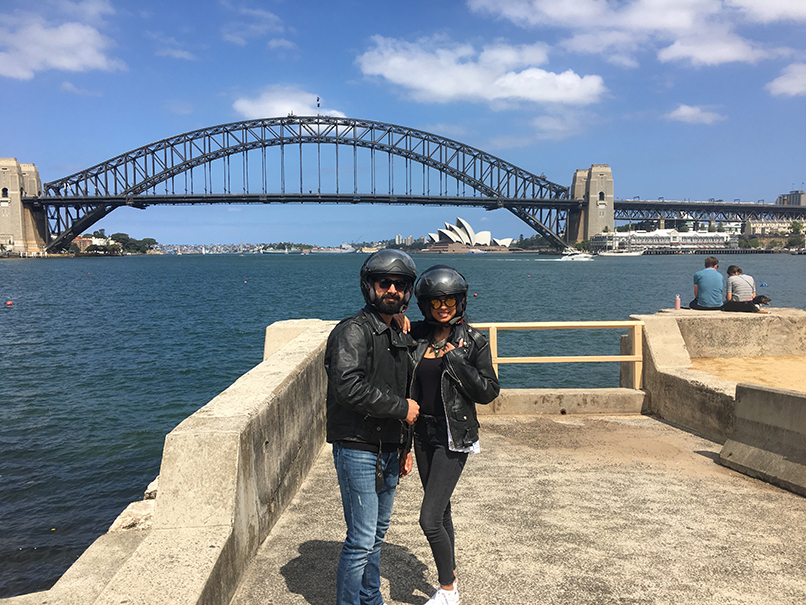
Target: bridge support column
x: 23, y: 229
x: 594, y: 186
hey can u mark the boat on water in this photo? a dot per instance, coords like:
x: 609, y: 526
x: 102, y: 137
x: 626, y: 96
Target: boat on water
x: 343, y: 249
x: 572, y: 254
x: 281, y: 251
x: 620, y: 253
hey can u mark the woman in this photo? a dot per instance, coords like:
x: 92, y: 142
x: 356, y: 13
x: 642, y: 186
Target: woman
x: 452, y: 372
x: 741, y: 292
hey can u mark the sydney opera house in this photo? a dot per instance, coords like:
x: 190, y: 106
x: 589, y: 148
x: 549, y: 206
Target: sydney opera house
x: 462, y: 238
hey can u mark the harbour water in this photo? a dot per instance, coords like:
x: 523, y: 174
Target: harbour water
x: 101, y: 358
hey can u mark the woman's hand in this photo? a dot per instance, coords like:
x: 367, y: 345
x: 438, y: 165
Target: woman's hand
x: 449, y: 346
x: 406, y: 464
x: 402, y: 322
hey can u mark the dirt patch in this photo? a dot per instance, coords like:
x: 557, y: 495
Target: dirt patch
x: 605, y: 441
x: 784, y: 372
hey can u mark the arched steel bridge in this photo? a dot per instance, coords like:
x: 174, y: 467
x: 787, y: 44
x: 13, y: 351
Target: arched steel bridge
x: 323, y: 159
x: 299, y: 159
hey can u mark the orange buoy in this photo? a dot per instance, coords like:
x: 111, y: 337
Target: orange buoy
x: 474, y: 294
x: 8, y: 303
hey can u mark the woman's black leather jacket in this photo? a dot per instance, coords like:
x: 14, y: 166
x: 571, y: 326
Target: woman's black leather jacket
x: 368, y: 367
x: 468, y: 378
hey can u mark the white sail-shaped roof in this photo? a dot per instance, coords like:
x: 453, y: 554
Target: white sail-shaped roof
x: 482, y: 238
x: 463, y: 237
x: 505, y: 241
x: 434, y: 237
x: 465, y: 226
x: 450, y: 235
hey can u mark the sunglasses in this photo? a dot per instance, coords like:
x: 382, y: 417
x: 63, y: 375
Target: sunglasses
x: 400, y: 284
x: 448, y: 301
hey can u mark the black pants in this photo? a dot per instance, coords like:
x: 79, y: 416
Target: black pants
x: 439, y: 470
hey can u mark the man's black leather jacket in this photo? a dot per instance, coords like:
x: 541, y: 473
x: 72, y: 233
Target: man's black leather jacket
x: 468, y: 378
x: 368, y: 369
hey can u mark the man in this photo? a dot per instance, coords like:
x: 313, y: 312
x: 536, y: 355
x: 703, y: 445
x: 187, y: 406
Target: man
x: 708, y: 287
x: 368, y: 418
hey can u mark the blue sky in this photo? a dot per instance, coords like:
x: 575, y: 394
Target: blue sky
x: 683, y: 98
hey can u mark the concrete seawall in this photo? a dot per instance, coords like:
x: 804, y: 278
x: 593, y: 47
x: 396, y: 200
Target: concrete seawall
x: 231, y: 469
x: 695, y: 399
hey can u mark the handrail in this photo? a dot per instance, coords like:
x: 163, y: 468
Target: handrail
x: 635, y: 330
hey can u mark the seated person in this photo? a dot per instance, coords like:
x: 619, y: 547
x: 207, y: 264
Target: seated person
x: 741, y: 292
x: 708, y: 287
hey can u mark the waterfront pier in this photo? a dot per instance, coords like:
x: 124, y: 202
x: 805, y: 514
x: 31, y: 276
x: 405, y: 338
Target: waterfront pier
x: 578, y: 496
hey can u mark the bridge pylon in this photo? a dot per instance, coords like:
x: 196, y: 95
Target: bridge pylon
x: 23, y: 228
x: 594, y: 186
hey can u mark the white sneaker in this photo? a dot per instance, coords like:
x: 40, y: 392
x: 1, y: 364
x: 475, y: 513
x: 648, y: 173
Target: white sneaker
x: 444, y: 597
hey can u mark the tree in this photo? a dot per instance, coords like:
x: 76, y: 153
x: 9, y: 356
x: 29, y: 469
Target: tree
x: 796, y: 241
x: 101, y: 234
x: 775, y: 243
x: 796, y: 226
x: 683, y: 228
x: 720, y: 227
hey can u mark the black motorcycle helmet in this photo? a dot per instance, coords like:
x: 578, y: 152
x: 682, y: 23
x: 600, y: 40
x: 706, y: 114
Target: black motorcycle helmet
x: 387, y: 262
x: 441, y: 280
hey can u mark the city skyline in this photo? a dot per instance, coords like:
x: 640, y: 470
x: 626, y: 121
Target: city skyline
x: 699, y: 99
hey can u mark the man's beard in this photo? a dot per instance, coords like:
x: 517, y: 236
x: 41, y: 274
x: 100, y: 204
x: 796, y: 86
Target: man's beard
x: 389, y: 306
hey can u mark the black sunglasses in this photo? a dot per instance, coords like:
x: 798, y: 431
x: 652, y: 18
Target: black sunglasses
x: 400, y: 284
x: 449, y: 301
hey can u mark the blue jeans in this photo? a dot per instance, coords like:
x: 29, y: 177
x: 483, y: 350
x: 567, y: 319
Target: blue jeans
x: 366, y: 513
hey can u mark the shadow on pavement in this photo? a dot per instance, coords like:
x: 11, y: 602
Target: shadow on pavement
x: 313, y: 573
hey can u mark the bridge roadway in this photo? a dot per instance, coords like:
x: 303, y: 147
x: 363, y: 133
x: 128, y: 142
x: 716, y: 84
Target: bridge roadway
x: 563, y: 510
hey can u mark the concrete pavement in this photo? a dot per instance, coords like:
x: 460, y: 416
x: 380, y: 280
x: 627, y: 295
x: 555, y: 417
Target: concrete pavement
x: 563, y: 510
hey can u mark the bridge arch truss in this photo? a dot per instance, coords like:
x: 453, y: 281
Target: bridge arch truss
x: 306, y: 159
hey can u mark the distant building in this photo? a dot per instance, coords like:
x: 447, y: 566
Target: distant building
x: 793, y: 198
x: 461, y: 236
x: 663, y: 239
x: 767, y: 227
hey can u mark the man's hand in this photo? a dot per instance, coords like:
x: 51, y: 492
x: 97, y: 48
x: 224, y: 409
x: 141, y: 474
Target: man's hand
x: 406, y: 464
x: 414, y: 411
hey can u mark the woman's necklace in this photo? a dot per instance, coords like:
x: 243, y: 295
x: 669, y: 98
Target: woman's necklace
x: 438, y: 345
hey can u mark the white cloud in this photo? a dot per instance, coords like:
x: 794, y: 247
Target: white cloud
x: 72, y: 88
x: 702, y: 32
x: 34, y: 46
x: 715, y: 49
x: 282, y: 43
x: 767, y: 11
x: 252, y: 23
x: 694, y: 115
x: 560, y: 125
x: 87, y: 10
x: 181, y: 108
x: 279, y: 101
x: 791, y: 82
x: 439, y: 71
x: 176, y: 53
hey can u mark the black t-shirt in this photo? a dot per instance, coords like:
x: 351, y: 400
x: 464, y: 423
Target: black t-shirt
x: 429, y: 375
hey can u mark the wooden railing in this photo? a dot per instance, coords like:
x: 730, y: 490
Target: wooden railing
x: 635, y: 331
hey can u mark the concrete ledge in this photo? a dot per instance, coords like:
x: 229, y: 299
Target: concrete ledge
x: 564, y: 401
x: 90, y: 574
x: 697, y: 400
x: 769, y: 441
